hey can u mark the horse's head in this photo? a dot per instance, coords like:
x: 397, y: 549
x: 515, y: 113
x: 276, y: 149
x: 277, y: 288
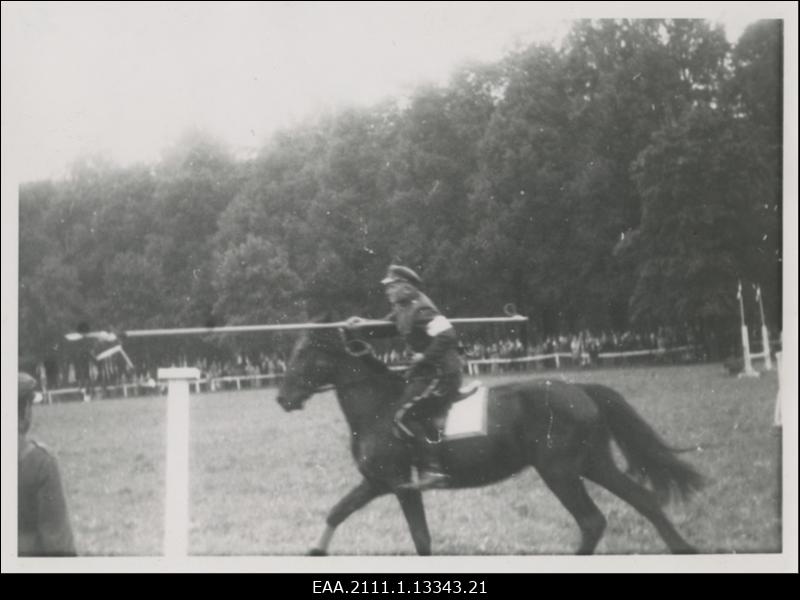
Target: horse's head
x: 312, y: 365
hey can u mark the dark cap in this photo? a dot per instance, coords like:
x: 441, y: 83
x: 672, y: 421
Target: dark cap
x: 397, y: 273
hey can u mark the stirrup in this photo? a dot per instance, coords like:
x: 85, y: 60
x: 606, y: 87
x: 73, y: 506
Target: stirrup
x: 436, y: 440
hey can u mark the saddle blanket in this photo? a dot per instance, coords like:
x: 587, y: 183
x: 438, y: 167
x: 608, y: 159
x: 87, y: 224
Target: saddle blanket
x: 467, y: 417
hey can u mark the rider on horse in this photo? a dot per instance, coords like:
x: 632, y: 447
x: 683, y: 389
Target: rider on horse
x: 434, y: 378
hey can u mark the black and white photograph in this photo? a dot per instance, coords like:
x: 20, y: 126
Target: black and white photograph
x: 399, y: 287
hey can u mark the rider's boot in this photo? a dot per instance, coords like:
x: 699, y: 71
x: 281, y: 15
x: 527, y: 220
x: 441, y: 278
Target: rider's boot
x: 431, y: 473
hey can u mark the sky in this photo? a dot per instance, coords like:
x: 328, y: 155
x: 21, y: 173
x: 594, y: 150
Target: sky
x: 125, y: 80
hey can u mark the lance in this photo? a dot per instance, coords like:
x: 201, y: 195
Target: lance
x: 108, y: 336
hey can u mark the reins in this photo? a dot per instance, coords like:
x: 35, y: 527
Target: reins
x: 356, y: 349
x: 364, y: 349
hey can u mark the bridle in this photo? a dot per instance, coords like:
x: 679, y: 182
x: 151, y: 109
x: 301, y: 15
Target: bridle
x: 366, y: 348
x: 362, y: 349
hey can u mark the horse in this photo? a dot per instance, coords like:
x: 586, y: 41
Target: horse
x: 563, y: 430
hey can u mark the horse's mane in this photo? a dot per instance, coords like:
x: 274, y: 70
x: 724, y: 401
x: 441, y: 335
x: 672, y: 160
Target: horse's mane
x: 393, y: 380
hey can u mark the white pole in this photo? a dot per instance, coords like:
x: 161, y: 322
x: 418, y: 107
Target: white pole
x: 767, y: 350
x: 764, y: 333
x: 748, y: 363
x: 778, y: 419
x: 176, y: 513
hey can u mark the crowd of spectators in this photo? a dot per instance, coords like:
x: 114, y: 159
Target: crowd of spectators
x: 584, y: 347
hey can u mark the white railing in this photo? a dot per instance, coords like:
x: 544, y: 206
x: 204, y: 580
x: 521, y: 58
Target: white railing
x: 473, y: 366
x: 49, y: 395
x: 212, y: 384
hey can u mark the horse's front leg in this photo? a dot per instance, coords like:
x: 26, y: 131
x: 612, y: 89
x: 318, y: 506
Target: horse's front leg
x: 356, y: 498
x: 414, y: 510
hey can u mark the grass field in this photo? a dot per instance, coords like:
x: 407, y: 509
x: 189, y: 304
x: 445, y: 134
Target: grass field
x: 263, y: 480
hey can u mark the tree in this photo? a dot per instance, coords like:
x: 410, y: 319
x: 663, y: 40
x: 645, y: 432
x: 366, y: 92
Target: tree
x: 699, y: 226
x: 195, y: 183
x: 517, y: 202
x: 754, y: 101
x: 134, y: 298
x: 253, y: 284
x: 50, y: 301
x: 626, y: 80
x: 32, y: 222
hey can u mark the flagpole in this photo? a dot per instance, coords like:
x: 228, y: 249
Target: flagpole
x: 748, y: 364
x: 764, y: 332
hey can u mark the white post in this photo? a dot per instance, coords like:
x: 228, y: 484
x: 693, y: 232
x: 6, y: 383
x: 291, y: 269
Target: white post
x: 748, y: 363
x: 764, y: 332
x: 176, y: 513
x: 767, y: 350
x: 778, y: 419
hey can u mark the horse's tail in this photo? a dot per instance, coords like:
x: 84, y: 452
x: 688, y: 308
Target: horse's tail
x: 648, y: 456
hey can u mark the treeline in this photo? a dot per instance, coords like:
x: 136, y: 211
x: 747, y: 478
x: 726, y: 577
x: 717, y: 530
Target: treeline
x: 625, y: 180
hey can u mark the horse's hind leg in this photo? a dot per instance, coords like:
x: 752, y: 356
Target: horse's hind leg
x: 414, y: 511
x: 568, y: 487
x: 603, y: 471
x: 356, y: 498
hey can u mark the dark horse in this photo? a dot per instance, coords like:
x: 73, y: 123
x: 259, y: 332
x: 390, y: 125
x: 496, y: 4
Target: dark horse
x: 561, y: 429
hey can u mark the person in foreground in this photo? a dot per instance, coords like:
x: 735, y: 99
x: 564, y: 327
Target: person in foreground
x: 43, y: 518
x: 434, y: 378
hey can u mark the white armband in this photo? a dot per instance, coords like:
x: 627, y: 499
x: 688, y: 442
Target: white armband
x: 438, y: 325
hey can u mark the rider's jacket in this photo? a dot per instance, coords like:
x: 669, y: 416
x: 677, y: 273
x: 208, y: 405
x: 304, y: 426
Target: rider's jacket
x: 427, y: 332
x: 43, y: 521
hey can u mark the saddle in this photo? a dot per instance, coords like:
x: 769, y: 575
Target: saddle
x: 436, y: 426
x: 462, y: 419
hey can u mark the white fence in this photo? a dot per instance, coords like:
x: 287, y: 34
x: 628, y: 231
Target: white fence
x: 474, y: 365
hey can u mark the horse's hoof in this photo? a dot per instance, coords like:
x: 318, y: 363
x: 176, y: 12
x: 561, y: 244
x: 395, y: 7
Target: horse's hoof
x: 317, y: 552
